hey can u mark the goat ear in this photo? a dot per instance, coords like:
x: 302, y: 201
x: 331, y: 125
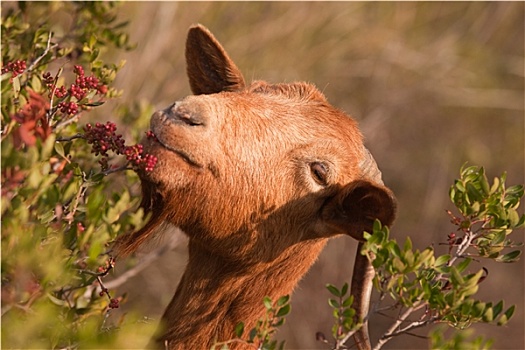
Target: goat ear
x: 356, y: 206
x: 210, y: 69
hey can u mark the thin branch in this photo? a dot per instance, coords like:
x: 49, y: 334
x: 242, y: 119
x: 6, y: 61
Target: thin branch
x: 145, y: 262
x: 412, y: 326
x: 46, y: 51
x: 347, y: 336
x: 416, y: 335
x: 6, y: 309
x: 71, y: 138
x: 114, y: 170
x: 232, y: 341
x: 52, y: 109
x: 66, y: 122
x: 88, y: 272
x: 70, y: 216
x: 392, y: 330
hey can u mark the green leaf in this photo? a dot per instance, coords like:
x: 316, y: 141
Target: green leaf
x: 59, y: 148
x: 333, y: 303
x: 452, y: 194
x: 348, y: 301
x: 36, y: 84
x: 484, y: 184
x: 499, y: 238
x: 94, y: 104
x: 498, y: 308
x: 506, y: 316
x: 347, y: 313
x: 47, y: 217
x: 455, y: 276
x: 463, y: 265
x: 488, y: 315
x: 509, y: 257
x: 394, y: 250
x: 279, y: 323
x: 252, y: 335
x: 513, y: 217
x: 16, y: 85
x: 239, y: 329
x: 344, y: 290
x: 267, y: 303
x: 398, y: 265
x: 459, y: 186
x: 495, y: 185
x: 517, y: 190
x: 408, y: 244
x: 332, y: 289
x: 478, y: 309
x: 521, y: 222
x: 56, y: 301
x: 5, y: 76
x: 283, y: 300
x: 285, y: 310
x: 442, y: 260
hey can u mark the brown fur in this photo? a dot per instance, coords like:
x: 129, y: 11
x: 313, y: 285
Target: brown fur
x: 236, y: 172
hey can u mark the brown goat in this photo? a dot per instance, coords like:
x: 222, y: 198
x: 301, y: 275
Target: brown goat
x: 259, y: 177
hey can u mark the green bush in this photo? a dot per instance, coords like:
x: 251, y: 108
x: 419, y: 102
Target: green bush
x: 60, y: 207
x: 427, y: 289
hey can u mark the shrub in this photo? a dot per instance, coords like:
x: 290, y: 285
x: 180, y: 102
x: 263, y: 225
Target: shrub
x: 60, y: 207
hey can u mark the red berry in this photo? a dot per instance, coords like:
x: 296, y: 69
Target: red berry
x: 16, y: 67
x: 80, y: 227
x: 113, y: 303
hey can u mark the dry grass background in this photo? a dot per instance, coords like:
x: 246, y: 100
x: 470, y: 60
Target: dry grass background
x: 433, y: 85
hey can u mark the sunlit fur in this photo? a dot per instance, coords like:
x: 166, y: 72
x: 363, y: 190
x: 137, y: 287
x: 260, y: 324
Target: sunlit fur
x: 234, y: 172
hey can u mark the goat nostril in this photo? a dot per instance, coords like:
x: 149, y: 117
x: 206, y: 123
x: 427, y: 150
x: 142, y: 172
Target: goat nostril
x: 176, y: 113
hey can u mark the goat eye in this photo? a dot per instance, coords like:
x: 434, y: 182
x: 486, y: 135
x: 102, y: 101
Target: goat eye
x: 319, y: 173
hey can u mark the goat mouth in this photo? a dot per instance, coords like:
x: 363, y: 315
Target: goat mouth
x: 182, y: 154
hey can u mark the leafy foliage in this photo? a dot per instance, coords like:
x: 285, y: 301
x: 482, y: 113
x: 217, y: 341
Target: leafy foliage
x: 59, y: 210
x: 260, y: 336
x: 460, y: 340
x: 345, y: 316
x: 440, y: 288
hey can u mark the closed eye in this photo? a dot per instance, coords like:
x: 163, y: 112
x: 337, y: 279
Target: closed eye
x: 319, y: 173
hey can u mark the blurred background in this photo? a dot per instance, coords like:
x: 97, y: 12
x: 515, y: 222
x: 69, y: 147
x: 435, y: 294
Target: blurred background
x: 433, y: 85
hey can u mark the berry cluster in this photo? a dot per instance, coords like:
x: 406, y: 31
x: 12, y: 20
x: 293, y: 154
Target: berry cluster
x: 103, y: 271
x: 16, y: 67
x: 113, y: 303
x: 49, y: 81
x: 151, y: 135
x: 103, y: 139
x: 80, y: 227
x: 79, y: 89
x: 85, y: 83
x: 136, y: 157
x: 70, y: 108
